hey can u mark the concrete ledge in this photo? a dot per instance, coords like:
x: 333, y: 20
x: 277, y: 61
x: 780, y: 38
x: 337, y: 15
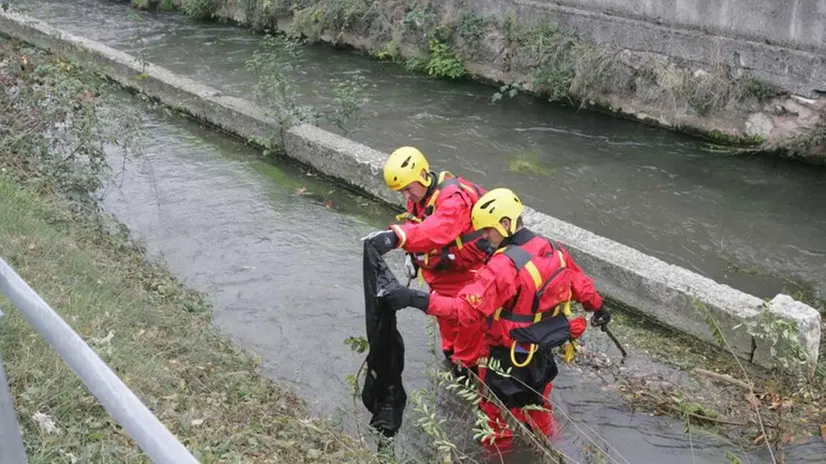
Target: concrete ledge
x: 669, y: 294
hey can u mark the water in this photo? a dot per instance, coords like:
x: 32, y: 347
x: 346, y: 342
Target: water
x: 751, y: 223
x: 279, y: 251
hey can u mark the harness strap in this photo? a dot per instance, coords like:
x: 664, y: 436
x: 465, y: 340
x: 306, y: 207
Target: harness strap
x: 504, y: 314
x: 461, y: 240
x: 440, y: 184
x: 523, y: 260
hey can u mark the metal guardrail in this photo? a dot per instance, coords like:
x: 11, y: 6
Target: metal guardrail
x: 151, y: 435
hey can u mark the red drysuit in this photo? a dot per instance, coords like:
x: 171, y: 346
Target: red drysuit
x: 439, y: 235
x: 528, y: 276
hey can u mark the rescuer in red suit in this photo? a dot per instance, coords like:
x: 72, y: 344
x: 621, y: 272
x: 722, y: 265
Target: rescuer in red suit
x: 440, y: 242
x: 523, y: 293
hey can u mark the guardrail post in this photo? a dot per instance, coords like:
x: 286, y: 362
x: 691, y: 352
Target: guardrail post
x: 12, y: 450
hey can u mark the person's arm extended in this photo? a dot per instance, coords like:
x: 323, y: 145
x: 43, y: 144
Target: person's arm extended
x: 582, y: 286
x: 494, y: 284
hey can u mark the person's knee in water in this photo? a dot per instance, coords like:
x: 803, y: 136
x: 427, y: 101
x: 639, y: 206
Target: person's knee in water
x: 523, y: 293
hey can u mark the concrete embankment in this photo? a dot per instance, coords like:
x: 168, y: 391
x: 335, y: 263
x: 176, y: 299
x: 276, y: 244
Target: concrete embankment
x: 737, y: 71
x: 669, y: 294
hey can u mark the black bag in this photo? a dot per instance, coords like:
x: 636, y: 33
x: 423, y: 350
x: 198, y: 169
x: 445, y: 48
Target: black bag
x: 525, y: 384
x: 546, y: 334
x: 383, y: 393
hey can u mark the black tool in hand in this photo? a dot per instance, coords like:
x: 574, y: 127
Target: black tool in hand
x: 607, y: 331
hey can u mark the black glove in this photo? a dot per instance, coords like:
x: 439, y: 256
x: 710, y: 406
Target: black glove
x: 600, y: 317
x: 383, y: 240
x: 402, y: 297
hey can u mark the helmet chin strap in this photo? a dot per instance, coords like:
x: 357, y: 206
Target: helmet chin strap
x: 430, y: 187
x: 507, y: 240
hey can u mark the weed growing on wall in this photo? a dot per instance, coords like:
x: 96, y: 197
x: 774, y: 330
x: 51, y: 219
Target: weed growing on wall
x: 141, y: 4
x: 333, y: 17
x: 163, y: 5
x: 471, y: 27
x: 443, y: 62
x: 275, y: 64
x: 199, y: 9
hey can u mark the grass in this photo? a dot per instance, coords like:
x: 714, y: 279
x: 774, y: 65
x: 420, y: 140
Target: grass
x: 154, y: 333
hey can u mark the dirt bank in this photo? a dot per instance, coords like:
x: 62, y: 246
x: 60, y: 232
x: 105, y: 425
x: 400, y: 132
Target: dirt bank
x: 469, y: 39
x: 151, y: 330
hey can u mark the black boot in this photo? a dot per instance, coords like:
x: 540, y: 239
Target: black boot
x: 448, y: 354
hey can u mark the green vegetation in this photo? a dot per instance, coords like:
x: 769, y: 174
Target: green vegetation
x: 810, y: 146
x: 556, y: 63
x: 140, y: 4
x: 744, y: 395
x: 154, y: 333
x: 443, y: 62
x: 273, y: 63
x: 38, y: 148
x: 530, y: 163
x: 471, y: 27
x: 169, y: 5
x: 199, y: 9
x: 333, y: 17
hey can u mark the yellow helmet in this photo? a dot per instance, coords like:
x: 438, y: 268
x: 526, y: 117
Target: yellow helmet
x: 404, y: 166
x: 494, y: 206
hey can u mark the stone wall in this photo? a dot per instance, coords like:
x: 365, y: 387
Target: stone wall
x: 795, y: 24
x: 782, y: 42
x: 672, y: 295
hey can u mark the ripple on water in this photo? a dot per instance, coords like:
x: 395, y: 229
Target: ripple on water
x: 597, y: 174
